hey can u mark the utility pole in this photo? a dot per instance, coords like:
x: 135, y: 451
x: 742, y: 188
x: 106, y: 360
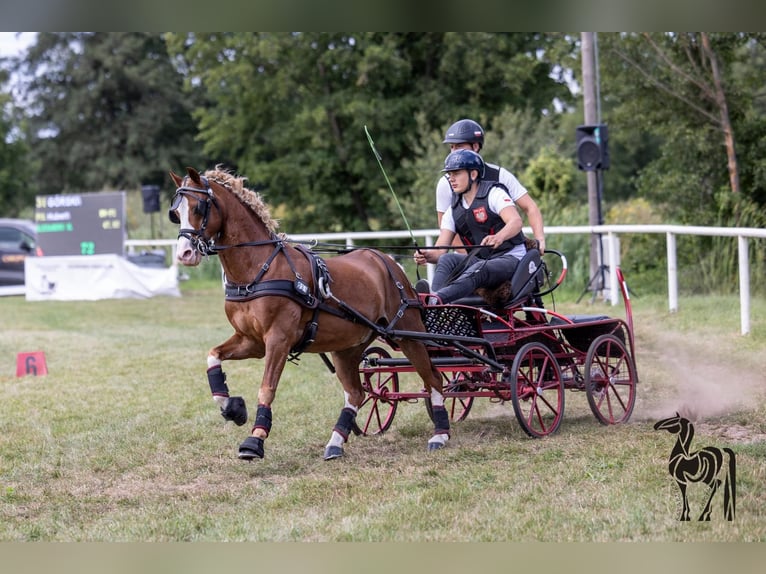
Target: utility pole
x: 590, y: 104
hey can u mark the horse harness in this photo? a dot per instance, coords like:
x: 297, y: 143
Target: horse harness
x: 297, y: 290
x: 196, y: 236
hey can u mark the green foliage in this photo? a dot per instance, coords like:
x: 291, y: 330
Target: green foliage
x: 107, y: 111
x: 296, y: 105
x: 643, y: 256
x: 288, y: 110
x: 16, y: 195
x: 717, y: 270
x: 549, y: 177
x: 660, y: 89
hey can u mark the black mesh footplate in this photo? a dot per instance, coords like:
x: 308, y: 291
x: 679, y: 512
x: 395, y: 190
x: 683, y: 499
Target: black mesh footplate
x: 453, y: 321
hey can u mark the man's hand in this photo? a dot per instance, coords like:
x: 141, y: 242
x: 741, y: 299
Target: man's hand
x: 492, y: 241
x: 419, y: 257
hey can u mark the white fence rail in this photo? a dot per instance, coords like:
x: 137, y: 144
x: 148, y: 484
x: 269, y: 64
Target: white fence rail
x: 611, y: 232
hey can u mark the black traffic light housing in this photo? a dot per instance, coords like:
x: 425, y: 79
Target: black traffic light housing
x: 592, y: 147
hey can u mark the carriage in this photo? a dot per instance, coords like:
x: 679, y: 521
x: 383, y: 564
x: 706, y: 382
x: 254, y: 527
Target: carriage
x: 515, y: 350
x: 358, y: 310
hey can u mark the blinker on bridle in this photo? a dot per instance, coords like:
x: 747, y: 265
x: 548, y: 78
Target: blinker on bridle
x: 196, y: 236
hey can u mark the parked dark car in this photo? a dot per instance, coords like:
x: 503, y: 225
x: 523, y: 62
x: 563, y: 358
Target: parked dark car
x: 18, y: 240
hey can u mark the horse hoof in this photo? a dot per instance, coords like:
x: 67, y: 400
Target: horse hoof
x: 332, y: 452
x: 235, y: 410
x: 251, y: 448
x: 435, y: 445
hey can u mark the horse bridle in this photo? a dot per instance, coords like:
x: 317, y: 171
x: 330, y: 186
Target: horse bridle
x: 204, y: 245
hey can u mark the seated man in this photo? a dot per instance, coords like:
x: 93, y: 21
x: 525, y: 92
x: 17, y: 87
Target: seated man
x: 483, y: 214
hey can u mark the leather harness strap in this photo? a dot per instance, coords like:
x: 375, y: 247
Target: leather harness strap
x: 300, y: 292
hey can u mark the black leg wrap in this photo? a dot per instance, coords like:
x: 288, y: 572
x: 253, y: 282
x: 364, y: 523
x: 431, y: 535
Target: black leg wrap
x: 441, y: 420
x: 251, y: 448
x: 263, y: 419
x: 217, y: 380
x: 235, y: 410
x: 346, y: 422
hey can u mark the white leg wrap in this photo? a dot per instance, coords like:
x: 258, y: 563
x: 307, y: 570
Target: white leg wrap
x: 437, y: 399
x: 213, y: 361
x: 336, y: 439
x: 347, y: 404
x: 221, y: 401
x: 440, y: 439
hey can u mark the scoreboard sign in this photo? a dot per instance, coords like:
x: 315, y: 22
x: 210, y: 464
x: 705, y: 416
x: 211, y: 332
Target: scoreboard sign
x: 81, y: 224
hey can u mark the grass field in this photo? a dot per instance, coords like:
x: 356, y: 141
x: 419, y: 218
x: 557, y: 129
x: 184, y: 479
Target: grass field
x: 120, y: 441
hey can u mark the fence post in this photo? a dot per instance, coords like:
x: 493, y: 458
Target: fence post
x: 614, y: 252
x: 744, y: 284
x: 672, y: 273
x: 430, y: 266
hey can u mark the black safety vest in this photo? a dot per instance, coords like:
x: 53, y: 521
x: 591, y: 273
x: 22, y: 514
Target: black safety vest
x: 478, y: 221
x: 491, y: 173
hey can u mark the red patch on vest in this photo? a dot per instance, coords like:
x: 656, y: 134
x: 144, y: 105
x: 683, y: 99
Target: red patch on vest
x: 480, y: 215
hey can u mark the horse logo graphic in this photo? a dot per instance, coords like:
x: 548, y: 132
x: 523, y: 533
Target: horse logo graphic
x: 704, y: 465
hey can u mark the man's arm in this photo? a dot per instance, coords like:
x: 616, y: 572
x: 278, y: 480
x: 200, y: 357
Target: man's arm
x: 534, y: 217
x: 424, y: 256
x: 521, y: 197
x: 511, y: 228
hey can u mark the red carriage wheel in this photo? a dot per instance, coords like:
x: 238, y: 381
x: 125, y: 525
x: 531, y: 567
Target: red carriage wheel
x: 457, y: 407
x: 610, y: 380
x: 537, y: 390
x: 376, y: 413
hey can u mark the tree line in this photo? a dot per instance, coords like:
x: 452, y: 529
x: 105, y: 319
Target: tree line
x: 685, y: 111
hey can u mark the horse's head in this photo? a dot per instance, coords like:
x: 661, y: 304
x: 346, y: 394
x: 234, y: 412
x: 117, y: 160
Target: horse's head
x: 672, y: 424
x: 195, y: 209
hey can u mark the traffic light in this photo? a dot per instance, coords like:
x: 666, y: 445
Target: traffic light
x: 592, y: 147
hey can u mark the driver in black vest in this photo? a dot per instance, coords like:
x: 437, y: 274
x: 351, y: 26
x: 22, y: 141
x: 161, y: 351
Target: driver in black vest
x: 483, y: 214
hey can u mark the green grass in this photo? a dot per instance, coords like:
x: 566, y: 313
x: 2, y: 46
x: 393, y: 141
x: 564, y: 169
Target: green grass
x: 121, y: 441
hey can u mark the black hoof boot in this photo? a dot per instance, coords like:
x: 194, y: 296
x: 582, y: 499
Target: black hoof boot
x: 332, y: 452
x: 235, y: 410
x: 251, y: 448
x: 435, y: 445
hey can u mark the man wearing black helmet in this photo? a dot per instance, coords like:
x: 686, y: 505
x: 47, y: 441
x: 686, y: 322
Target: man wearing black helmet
x: 483, y: 215
x: 468, y: 134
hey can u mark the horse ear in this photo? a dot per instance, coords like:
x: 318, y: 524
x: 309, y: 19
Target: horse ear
x: 193, y: 174
x: 176, y: 178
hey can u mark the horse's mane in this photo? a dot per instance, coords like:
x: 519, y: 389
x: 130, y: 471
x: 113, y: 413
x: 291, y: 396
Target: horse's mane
x: 249, y: 197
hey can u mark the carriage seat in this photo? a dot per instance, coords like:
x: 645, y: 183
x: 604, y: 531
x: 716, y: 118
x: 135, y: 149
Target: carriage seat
x: 526, y: 280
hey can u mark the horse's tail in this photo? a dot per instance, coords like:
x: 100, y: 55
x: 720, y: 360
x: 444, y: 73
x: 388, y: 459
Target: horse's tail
x: 730, y: 486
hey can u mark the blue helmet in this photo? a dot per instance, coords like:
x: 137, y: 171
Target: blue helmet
x: 464, y: 159
x: 465, y: 131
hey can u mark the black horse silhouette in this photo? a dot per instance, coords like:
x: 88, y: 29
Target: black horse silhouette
x: 703, y: 465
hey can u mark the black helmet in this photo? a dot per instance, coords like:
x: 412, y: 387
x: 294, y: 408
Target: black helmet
x: 465, y: 131
x: 464, y: 159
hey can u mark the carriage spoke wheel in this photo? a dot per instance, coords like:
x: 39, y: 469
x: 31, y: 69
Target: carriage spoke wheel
x: 376, y: 413
x: 610, y: 380
x: 457, y: 407
x: 537, y: 390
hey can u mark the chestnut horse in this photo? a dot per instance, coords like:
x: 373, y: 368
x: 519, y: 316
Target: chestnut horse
x: 283, y: 300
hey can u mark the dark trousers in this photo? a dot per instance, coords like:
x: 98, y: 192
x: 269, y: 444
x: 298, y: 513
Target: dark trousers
x: 487, y: 273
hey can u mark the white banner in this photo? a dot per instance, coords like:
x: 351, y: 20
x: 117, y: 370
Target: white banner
x: 92, y: 277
